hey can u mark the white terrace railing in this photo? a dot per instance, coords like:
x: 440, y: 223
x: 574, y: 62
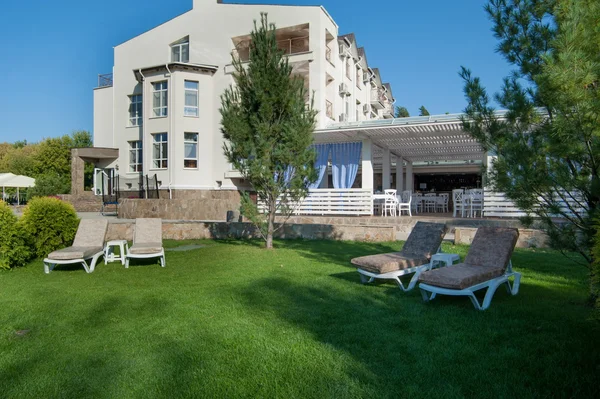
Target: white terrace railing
x: 496, y: 204
x: 353, y: 201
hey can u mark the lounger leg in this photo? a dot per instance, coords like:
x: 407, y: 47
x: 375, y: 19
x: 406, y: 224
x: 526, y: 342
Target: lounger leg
x: 126, y: 262
x: 475, y: 302
x: 48, y: 267
x: 365, y: 279
x: 95, y: 260
x: 426, y: 296
x: 85, y: 266
x: 487, y: 300
x: 514, y: 288
x: 162, y: 261
x: 399, y: 282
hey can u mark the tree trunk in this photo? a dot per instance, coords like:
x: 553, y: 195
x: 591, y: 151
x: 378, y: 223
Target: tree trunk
x: 270, y: 225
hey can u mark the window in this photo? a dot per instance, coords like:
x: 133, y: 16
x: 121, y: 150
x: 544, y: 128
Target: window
x: 159, y: 102
x: 135, y: 156
x: 180, y: 51
x: 358, y: 77
x: 135, y: 110
x: 160, y: 147
x: 191, y: 98
x: 349, y: 68
x: 190, y: 150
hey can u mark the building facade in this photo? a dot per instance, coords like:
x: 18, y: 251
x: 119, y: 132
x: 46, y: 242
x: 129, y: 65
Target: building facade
x: 160, y: 105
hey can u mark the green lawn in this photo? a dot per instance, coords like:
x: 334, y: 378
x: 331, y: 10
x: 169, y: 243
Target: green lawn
x: 232, y: 320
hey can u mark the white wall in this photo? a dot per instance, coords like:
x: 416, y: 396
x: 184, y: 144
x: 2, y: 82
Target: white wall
x: 103, y: 117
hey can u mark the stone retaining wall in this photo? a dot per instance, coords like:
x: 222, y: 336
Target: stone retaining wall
x: 185, y: 205
x: 191, y: 230
x: 528, y: 238
x: 85, y: 202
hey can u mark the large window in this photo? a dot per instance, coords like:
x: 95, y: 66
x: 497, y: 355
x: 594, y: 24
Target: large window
x: 191, y: 98
x: 160, y: 151
x: 135, y: 156
x: 135, y: 110
x: 180, y: 51
x: 160, y: 98
x: 190, y: 145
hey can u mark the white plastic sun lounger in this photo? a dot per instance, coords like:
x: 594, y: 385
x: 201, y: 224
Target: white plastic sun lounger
x: 87, y: 245
x: 147, y: 241
x: 487, y: 265
x: 415, y: 258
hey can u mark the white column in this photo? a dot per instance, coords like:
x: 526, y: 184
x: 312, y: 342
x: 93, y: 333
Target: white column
x: 399, y: 174
x: 386, y: 170
x: 409, y: 176
x: 367, y: 165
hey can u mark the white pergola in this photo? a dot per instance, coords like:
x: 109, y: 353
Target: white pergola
x: 405, y: 140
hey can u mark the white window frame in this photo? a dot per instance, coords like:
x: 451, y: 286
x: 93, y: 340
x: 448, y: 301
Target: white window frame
x: 162, y: 161
x: 136, y: 104
x: 191, y: 110
x: 136, y: 150
x: 179, y: 46
x: 160, y: 89
x: 195, y: 158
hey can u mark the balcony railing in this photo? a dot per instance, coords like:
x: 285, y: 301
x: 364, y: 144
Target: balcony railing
x: 378, y: 98
x: 328, y: 54
x: 105, y: 80
x: 296, y: 45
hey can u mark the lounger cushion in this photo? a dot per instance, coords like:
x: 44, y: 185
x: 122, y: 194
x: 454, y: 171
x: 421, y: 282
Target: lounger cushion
x: 460, y: 276
x: 146, y: 248
x: 91, y: 233
x: 424, y: 240
x: 384, y: 263
x: 71, y: 253
x: 492, y: 247
x: 148, y: 230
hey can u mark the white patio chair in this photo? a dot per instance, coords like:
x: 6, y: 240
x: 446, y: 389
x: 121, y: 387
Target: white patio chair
x: 430, y: 202
x: 405, y: 204
x: 458, y: 202
x: 417, y: 202
x: 442, y: 203
x: 476, y: 202
x: 390, y: 204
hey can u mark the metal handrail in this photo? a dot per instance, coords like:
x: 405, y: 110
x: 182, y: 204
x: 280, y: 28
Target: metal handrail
x: 105, y: 80
x: 295, y: 45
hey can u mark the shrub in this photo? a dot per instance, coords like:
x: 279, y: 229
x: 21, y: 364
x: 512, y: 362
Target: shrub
x: 49, y: 184
x: 50, y: 224
x: 14, y: 250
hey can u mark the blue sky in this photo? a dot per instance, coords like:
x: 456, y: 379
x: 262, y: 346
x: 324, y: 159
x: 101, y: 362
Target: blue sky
x: 55, y: 50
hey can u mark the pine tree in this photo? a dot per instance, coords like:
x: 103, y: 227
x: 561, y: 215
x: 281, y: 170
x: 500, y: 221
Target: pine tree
x: 268, y: 126
x: 402, y: 112
x: 548, y: 147
x: 423, y: 111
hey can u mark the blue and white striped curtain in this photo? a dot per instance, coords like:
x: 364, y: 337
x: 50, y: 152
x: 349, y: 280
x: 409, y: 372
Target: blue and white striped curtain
x: 345, y: 158
x: 321, y: 162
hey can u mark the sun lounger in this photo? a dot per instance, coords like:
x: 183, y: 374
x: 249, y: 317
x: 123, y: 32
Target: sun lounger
x: 147, y: 241
x: 487, y: 265
x: 415, y: 257
x: 88, y: 244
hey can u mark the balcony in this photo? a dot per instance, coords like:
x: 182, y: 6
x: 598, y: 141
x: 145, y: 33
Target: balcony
x: 377, y: 99
x: 105, y: 80
x: 388, y: 110
x: 291, y: 40
x: 329, y: 109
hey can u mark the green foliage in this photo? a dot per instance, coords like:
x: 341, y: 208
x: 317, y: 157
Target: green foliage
x: 402, y: 112
x: 267, y: 124
x: 48, y: 185
x: 14, y: 251
x: 50, y: 224
x: 51, y: 156
x: 548, y: 145
x: 595, y: 273
x: 423, y: 111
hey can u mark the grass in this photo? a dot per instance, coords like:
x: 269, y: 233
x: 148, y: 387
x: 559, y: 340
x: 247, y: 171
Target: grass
x: 232, y: 320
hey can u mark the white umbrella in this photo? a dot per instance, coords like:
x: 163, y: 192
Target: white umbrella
x: 15, y: 181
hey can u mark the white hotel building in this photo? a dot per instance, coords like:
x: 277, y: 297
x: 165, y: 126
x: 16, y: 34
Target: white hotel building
x: 160, y: 106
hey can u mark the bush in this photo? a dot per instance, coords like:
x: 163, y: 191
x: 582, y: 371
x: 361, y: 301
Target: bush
x: 14, y: 251
x: 50, y: 224
x: 49, y: 184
